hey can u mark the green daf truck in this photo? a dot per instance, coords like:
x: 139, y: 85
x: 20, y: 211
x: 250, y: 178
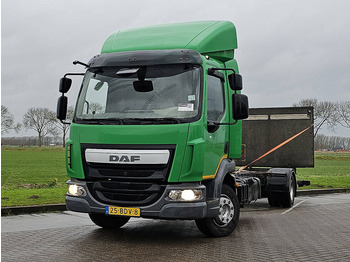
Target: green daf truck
x: 157, y: 132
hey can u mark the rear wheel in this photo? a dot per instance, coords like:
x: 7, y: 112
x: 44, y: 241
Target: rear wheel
x: 284, y: 199
x: 108, y: 222
x: 274, y: 199
x: 288, y: 197
x: 226, y: 221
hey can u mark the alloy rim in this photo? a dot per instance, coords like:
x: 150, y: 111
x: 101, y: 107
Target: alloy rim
x: 226, y: 211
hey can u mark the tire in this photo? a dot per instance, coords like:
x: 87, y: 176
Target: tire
x: 274, y: 199
x: 108, y: 222
x: 226, y: 221
x: 288, y: 197
x: 284, y: 199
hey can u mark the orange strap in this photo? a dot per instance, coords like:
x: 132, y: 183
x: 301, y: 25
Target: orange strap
x: 275, y: 148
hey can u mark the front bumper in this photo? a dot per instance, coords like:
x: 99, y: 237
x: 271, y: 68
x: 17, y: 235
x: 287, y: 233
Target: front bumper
x: 163, y: 208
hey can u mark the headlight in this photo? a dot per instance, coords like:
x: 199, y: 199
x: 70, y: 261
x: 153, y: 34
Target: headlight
x: 75, y: 190
x: 185, y: 195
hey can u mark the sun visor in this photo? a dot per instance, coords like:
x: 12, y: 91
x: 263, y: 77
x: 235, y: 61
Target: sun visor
x: 146, y: 57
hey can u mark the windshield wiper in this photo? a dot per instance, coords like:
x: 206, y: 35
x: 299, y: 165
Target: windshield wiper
x: 169, y: 120
x: 103, y: 121
x: 128, y: 121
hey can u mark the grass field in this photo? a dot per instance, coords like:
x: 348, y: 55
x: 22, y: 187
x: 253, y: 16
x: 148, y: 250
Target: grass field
x: 34, y: 176
x: 332, y: 170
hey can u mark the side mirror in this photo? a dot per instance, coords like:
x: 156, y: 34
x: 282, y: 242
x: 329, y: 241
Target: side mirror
x: 143, y: 86
x: 235, y: 81
x: 240, y: 107
x: 62, y: 107
x: 65, y: 84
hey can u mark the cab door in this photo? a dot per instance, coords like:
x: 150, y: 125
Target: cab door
x: 215, y: 136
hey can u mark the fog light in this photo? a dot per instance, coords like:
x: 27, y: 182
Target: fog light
x: 185, y: 195
x: 75, y: 190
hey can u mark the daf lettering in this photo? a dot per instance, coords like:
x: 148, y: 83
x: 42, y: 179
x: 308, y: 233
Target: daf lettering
x: 114, y: 158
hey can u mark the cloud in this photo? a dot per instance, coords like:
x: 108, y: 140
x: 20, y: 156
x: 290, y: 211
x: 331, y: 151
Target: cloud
x: 288, y: 50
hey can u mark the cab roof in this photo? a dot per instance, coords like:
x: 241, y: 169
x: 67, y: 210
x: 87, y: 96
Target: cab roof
x: 204, y: 37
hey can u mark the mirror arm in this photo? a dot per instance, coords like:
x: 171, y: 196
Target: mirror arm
x: 228, y: 124
x: 65, y: 123
x: 221, y: 124
x: 80, y: 63
x: 211, y: 70
x: 73, y: 74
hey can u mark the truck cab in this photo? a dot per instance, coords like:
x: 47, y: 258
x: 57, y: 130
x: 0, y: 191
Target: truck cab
x: 157, y: 124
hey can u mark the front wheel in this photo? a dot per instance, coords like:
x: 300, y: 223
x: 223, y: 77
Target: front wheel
x: 108, y: 222
x: 226, y: 221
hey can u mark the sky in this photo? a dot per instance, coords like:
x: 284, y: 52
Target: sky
x: 288, y: 50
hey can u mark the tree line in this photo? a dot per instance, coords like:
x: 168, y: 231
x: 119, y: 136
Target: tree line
x: 334, y: 143
x: 45, y: 123
x: 25, y: 141
x: 42, y: 120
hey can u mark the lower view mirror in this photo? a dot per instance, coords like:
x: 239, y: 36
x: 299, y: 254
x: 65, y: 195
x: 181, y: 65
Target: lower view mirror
x: 240, y: 106
x: 62, y: 107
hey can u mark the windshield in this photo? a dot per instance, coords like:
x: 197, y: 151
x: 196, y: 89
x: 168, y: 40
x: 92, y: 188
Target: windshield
x: 169, y: 92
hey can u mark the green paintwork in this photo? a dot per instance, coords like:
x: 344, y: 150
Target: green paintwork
x: 130, y: 135
x: 215, y: 142
x: 235, y: 130
x: 205, y: 37
x: 198, y: 152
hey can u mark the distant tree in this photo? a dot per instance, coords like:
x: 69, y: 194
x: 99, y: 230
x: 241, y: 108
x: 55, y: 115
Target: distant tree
x: 96, y: 108
x: 54, y: 134
x: 64, y: 128
x: 324, y: 113
x: 40, y: 120
x: 343, y: 109
x: 331, y: 142
x: 7, y: 121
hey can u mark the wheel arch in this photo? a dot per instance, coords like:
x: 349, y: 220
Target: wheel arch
x: 223, y: 176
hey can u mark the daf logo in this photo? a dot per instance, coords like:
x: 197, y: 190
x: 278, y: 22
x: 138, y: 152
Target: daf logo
x: 115, y: 158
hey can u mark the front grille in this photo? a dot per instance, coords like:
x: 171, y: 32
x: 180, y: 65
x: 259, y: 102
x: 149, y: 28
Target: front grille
x: 126, y: 193
x: 128, y: 184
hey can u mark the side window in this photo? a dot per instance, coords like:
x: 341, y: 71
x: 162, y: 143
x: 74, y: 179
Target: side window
x: 95, y: 100
x: 215, y: 105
